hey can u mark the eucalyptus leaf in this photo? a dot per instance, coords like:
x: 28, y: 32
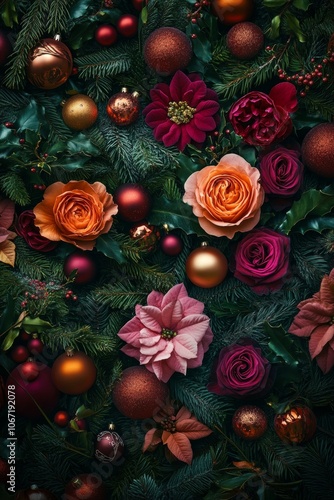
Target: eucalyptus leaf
x: 282, y: 344
x: 9, y: 339
x: 177, y: 215
x: 294, y: 25
x: 35, y: 325
x: 110, y: 248
x: 301, y: 4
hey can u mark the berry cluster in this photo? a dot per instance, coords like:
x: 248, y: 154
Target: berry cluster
x: 196, y: 13
x: 40, y: 292
x: 69, y: 295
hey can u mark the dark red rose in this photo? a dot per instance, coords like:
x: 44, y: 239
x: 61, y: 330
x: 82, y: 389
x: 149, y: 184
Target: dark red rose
x: 281, y: 172
x: 26, y: 228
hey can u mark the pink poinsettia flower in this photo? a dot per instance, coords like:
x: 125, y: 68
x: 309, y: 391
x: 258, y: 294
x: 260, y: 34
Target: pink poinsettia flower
x: 183, y: 111
x: 315, y: 320
x: 168, y: 335
x: 175, y: 431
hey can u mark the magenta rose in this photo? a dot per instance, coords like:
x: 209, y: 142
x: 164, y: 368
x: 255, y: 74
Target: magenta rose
x: 26, y: 228
x: 262, y: 260
x: 241, y: 371
x: 281, y: 172
x: 262, y: 119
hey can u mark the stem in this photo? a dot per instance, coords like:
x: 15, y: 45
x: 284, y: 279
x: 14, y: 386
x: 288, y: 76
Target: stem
x: 232, y: 443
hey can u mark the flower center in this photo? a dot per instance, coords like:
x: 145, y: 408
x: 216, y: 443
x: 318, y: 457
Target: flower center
x: 180, y: 112
x: 169, y: 424
x: 167, y: 334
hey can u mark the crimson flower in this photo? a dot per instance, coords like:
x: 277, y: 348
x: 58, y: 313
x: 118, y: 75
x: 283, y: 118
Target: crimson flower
x: 183, y: 111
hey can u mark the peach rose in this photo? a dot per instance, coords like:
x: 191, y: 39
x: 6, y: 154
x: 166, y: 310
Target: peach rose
x: 76, y: 212
x: 226, y: 198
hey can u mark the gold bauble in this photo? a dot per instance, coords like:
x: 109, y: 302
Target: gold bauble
x: 123, y: 107
x: 80, y: 112
x: 49, y: 64
x: 206, y: 266
x: 73, y: 372
x: 232, y: 11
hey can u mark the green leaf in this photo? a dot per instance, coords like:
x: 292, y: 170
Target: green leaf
x: 202, y: 48
x: 274, y: 3
x: 275, y: 25
x: 228, y: 482
x: 29, y: 118
x: 72, y: 163
x: 9, y: 339
x: 294, y: 25
x: 80, y: 143
x: 80, y: 8
x: 83, y: 412
x: 9, y: 14
x: 35, y: 325
x: 249, y: 154
x: 188, y: 167
x: 144, y: 15
x: 82, y: 32
x: 177, y: 215
x: 301, y: 4
x: 317, y: 224
x: 282, y: 344
x: 110, y: 248
x: 8, y: 316
x: 8, y: 142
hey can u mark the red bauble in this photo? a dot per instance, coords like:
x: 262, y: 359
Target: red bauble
x: 106, y: 35
x: 245, y: 40
x: 5, y: 47
x: 35, y: 345
x: 19, y: 354
x: 138, y: 4
x: 171, y: 244
x: 317, y: 150
x: 109, y: 446
x: 29, y: 370
x: 166, y: 50
x: 86, y: 487
x: 4, y: 470
x: 73, y: 372
x: 123, y: 108
x: 138, y: 393
x: 127, y: 25
x: 232, y: 11
x: 35, y: 493
x: 84, y: 264
x: 24, y: 335
x: 249, y: 422
x: 41, y: 389
x: 296, y: 425
x: 146, y: 235
x: 61, y: 418
x: 133, y: 202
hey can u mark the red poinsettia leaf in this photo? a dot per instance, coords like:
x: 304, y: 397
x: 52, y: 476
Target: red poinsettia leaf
x: 325, y: 359
x: 284, y: 95
x: 6, y: 213
x: 327, y: 290
x: 152, y: 438
x: 319, y: 338
x: 183, y: 413
x: 193, y: 429
x: 180, y: 446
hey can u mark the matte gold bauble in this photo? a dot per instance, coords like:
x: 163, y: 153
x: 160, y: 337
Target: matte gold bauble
x: 73, y: 372
x: 80, y: 112
x: 206, y: 266
x: 249, y: 422
x: 232, y: 11
x: 49, y: 64
x: 317, y: 150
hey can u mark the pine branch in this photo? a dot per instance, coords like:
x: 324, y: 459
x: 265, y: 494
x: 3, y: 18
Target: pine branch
x: 13, y: 187
x: 120, y: 296
x: 58, y: 16
x: 144, y: 488
x: 107, y: 62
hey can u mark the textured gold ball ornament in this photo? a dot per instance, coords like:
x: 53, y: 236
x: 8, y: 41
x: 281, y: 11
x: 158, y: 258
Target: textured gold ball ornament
x: 49, y: 64
x: 73, y: 372
x: 232, y: 11
x: 249, y: 422
x: 79, y: 112
x: 245, y: 40
x: 206, y: 266
x: 317, y: 150
x: 123, y: 107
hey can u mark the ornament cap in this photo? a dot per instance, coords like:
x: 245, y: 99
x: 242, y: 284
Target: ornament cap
x: 166, y: 227
x: 57, y: 37
x: 111, y: 427
x: 124, y: 90
x: 35, y: 335
x: 69, y: 351
x: 77, y: 483
x: 34, y: 487
x: 204, y: 244
x: 135, y: 94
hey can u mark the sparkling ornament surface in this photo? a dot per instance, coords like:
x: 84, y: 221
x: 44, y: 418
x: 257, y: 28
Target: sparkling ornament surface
x: 109, y: 446
x: 317, y: 150
x: 106, y: 35
x: 85, y: 265
x: 249, y: 422
x: 146, y: 235
x: 86, y: 487
x: 206, y: 267
x: 73, y: 372
x: 127, y: 25
x: 61, y: 418
x: 297, y: 425
x: 35, y: 493
x: 80, y: 112
x: 171, y: 244
x: 19, y: 354
x: 123, y: 108
x: 138, y: 392
x: 245, y: 40
x: 166, y: 50
x: 133, y: 202
x: 5, y: 47
x: 49, y: 64
x: 232, y: 11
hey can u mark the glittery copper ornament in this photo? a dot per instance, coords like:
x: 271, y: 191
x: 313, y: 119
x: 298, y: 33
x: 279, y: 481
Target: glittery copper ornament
x: 79, y: 112
x: 73, y: 372
x: 109, y: 446
x: 138, y: 393
x: 49, y: 64
x: 86, y: 487
x: 296, y: 425
x: 245, y: 40
x: 123, y: 107
x: 249, y: 422
x: 206, y: 266
x: 146, y: 236
x: 317, y: 150
x: 232, y: 11
x: 166, y: 50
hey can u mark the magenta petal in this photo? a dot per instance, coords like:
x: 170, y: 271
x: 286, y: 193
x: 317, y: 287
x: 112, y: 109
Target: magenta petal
x: 319, y: 339
x: 172, y: 313
x: 155, y: 117
x: 185, y: 138
x: 162, y: 129
x: 196, y: 134
x: 178, y: 86
x: 199, y: 92
x: 205, y: 123
x: 285, y: 95
x: 3, y: 234
x: 157, y: 95
x: 172, y: 136
x: 207, y: 108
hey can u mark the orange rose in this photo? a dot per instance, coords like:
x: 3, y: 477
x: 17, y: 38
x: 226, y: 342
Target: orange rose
x: 226, y: 198
x: 76, y: 212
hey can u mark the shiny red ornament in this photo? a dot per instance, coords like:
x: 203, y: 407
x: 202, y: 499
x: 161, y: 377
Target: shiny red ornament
x: 19, y: 354
x: 61, y: 418
x: 35, y: 493
x: 86, y: 487
x: 4, y: 470
x: 127, y: 25
x: 171, y: 244
x: 123, y: 107
x: 84, y: 264
x: 24, y: 335
x: 109, y: 446
x: 249, y: 422
x: 134, y: 202
x: 35, y: 345
x: 297, y: 425
x: 106, y: 35
x: 5, y: 47
x: 138, y: 4
x: 41, y: 390
x: 29, y: 370
x: 146, y: 236
x: 232, y: 11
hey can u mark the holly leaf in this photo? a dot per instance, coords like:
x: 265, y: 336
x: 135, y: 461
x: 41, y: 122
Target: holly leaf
x: 29, y: 118
x: 180, y: 446
x: 202, y: 48
x: 301, y: 4
x: 35, y: 325
x: 80, y: 144
x: 7, y: 252
x: 281, y: 344
x: 176, y: 214
x: 294, y: 26
x: 110, y: 248
x: 187, y: 167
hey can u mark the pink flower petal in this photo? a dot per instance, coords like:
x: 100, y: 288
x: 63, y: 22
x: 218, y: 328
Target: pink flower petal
x: 183, y: 414
x: 151, y: 318
x: 327, y: 290
x: 133, y: 352
x: 7, y: 208
x: 172, y: 313
x: 152, y: 438
x: 194, y: 325
x: 155, y: 299
x: 165, y: 354
x: 185, y: 346
x: 195, y: 363
x: 319, y: 338
x: 325, y: 359
x: 285, y: 95
x: 193, y: 429
x: 177, y: 292
x: 177, y: 363
x: 130, y: 332
x: 152, y: 350
x: 148, y: 339
x: 179, y: 445
x: 191, y: 306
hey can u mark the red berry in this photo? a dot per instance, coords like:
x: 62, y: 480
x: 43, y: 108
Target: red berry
x: 9, y: 124
x: 33, y: 170
x: 193, y: 36
x: 22, y: 141
x: 45, y: 155
x: 302, y: 94
x: 75, y: 70
x: 212, y: 148
x: 194, y: 21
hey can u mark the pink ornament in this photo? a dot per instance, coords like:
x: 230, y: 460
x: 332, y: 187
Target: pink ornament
x: 171, y: 244
x: 85, y: 265
x: 35, y: 346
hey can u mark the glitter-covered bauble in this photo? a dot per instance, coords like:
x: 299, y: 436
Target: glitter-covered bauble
x: 5, y: 47
x: 133, y: 202
x: 123, y: 107
x: 35, y: 493
x: 166, y: 50
x: 79, y: 112
x: 297, y: 425
x: 232, y: 11
x: 138, y: 4
x: 145, y: 235
x: 106, y: 35
x: 171, y: 244
x: 245, y: 40
x: 73, y: 372
x: 86, y: 487
x: 127, y: 25
x: 109, y: 446
x: 138, y: 392
x: 249, y: 422
x: 317, y: 150
x: 206, y: 266
x: 83, y: 263
x: 49, y: 63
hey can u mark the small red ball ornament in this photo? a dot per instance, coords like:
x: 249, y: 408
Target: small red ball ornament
x: 249, y: 422
x: 35, y: 493
x: 86, y: 487
x: 146, y: 236
x: 127, y: 25
x: 19, y: 354
x: 138, y: 4
x: 73, y: 372
x: 317, y: 150
x: 296, y: 425
x: 61, y: 418
x: 206, y: 266
x: 106, y: 35
x: 123, y: 107
x: 171, y: 244
x: 84, y: 264
x: 29, y: 370
x: 245, y: 40
x: 133, y: 202
x: 5, y: 47
x: 109, y: 446
x: 35, y: 345
x: 4, y: 471
x: 232, y: 11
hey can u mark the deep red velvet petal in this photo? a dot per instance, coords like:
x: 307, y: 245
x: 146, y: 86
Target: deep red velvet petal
x: 285, y: 95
